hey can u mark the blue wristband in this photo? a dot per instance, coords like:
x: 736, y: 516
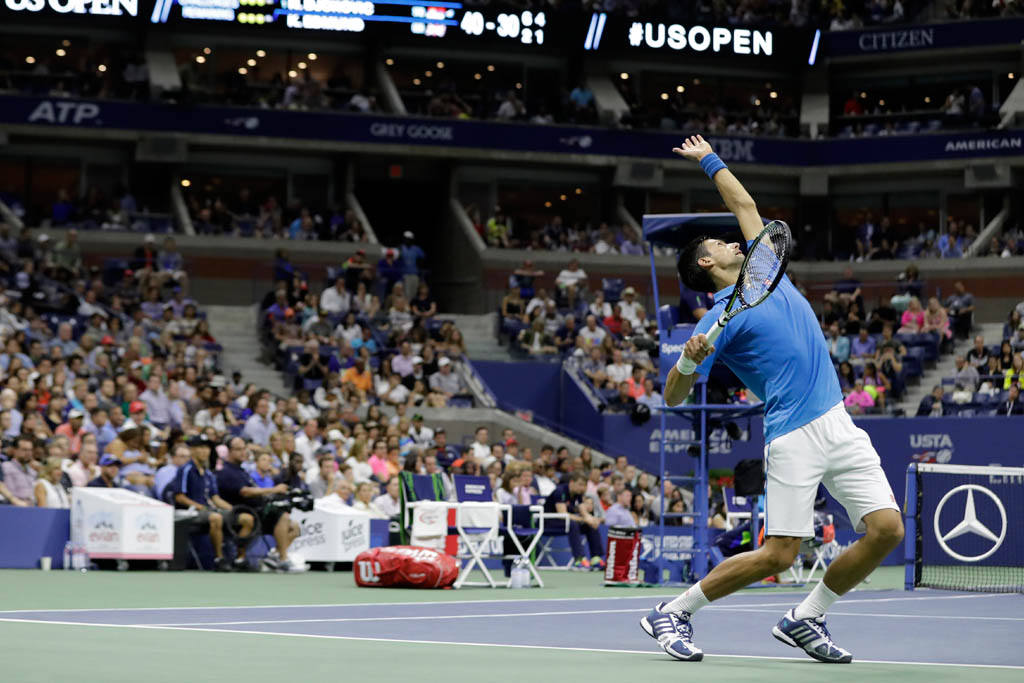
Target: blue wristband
x: 712, y: 164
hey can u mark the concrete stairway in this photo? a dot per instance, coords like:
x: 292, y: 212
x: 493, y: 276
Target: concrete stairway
x: 478, y: 331
x: 945, y: 366
x: 234, y: 328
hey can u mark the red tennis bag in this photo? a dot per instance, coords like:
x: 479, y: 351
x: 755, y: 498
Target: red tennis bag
x: 405, y: 566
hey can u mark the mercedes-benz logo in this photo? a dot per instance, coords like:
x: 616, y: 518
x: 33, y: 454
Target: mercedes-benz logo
x: 970, y: 523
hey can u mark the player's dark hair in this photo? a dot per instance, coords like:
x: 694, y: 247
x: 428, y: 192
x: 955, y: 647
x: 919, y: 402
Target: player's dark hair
x: 690, y: 272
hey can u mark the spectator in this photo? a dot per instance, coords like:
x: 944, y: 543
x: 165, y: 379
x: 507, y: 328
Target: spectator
x: 961, y: 310
x: 424, y: 307
x: 912, y: 320
x: 535, y: 340
x: 1015, y: 374
x: 498, y: 230
x: 591, y: 334
x: 388, y: 502
x: 622, y: 402
x: 571, y: 281
x: 110, y: 473
x: 566, y: 499
x: 19, y: 475
x: 1012, y: 405
x: 166, y: 474
x: 618, y: 371
x: 966, y: 375
x: 932, y: 404
x: 619, y: 514
x: 838, y: 344
x: 259, y: 426
x: 85, y: 468
x: 336, y: 300
x: 364, y: 500
x: 978, y: 356
x: 49, y: 491
x: 74, y: 430
x: 936, y: 321
x: 859, y: 400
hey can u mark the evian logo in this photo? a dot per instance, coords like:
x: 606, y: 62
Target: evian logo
x: 932, y: 447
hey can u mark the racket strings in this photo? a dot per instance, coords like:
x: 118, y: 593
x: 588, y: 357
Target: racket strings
x: 764, y: 264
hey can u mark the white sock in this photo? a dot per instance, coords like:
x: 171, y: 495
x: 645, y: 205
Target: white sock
x: 690, y: 601
x: 816, y: 603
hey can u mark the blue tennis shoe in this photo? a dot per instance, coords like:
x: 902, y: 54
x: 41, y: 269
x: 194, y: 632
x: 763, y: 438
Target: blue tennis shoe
x: 812, y: 636
x: 673, y: 632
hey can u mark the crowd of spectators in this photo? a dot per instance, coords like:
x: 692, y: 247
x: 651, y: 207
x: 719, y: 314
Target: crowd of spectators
x: 986, y: 379
x: 877, y: 239
x: 70, y: 69
x: 500, y: 231
x: 96, y: 209
x: 244, y: 214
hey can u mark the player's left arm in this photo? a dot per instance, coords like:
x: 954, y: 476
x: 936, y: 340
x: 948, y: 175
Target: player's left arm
x: 736, y: 197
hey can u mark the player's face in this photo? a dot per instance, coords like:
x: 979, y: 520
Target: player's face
x: 722, y: 254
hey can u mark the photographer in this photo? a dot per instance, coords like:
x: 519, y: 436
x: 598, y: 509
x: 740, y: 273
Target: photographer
x: 238, y: 488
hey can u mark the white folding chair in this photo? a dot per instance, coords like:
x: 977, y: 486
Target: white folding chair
x: 477, y: 524
x: 536, y: 516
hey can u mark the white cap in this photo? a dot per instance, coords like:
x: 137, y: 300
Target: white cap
x: 335, y: 435
x: 126, y: 425
x: 408, y: 235
x: 443, y: 362
x: 417, y: 359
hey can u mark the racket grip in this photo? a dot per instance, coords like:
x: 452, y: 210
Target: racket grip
x: 685, y: 366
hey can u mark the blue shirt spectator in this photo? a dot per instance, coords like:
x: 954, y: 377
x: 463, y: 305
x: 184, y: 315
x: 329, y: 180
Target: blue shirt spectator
x: 411, y: 254
x: 198, y: 486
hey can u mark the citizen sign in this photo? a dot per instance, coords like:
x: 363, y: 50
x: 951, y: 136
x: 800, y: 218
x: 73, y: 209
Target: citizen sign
x: 107, y: 7
x: 737, y: 41
x: 908, y: 39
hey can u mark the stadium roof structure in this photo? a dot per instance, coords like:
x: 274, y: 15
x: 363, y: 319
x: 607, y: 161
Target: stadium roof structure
x: 676, y: 229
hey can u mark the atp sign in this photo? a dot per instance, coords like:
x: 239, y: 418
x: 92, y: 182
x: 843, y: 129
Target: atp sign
x: 98, y: 7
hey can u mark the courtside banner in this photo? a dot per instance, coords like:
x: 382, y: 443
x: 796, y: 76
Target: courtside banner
x: 408, y: 132
x: 889, y: 40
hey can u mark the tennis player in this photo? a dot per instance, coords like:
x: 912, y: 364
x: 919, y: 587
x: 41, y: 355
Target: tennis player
x: 778, y: 351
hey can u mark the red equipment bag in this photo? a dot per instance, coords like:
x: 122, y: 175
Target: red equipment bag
x: 405, y: 566
x: 623, y: 556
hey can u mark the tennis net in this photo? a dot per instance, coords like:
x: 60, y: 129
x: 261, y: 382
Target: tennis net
x: 965, y: 528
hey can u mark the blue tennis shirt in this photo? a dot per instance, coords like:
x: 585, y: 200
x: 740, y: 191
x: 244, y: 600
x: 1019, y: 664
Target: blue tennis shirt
x: 778, y: 351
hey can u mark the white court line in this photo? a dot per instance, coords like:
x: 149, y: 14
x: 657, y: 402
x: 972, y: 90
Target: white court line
x: 498, y: 645
x: 720, y: 608
x: 513, y: 601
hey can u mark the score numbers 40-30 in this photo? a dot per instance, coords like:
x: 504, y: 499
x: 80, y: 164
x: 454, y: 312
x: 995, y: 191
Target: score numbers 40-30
x: 526, y: 26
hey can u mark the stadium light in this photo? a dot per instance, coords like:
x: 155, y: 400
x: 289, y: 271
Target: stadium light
x: 579, y: 190
x: 102, y: 68
x: 624, y: 76
x: 185, y: 182
x: 773, y: 94
x: 863, y: 95
x: 490, y: 67
x: 680, y: 88
x: 881, y: 103
x: 664, y: 95
x: 293, y: 73
x: 251, y: 62
x: 440, y: 65
x: 200, y: 59
x: 562, y: 197
x: 927, y: 100
x: 312, y: 56
x: 547, y: 205
x: 207, y: 50
x: 519, y: 86
x: 30, y: 60
x: 1010, y: 75
x: 61, y: 52
x: 66, y: 42
x: 389, y: 61
x: 428, y: 73
x: 261, y: 53
x: 477, y: 76
x: 301, y: 65
x: 416, y: 81
x: 242, y: 70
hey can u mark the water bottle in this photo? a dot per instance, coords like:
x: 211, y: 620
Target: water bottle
x: 67, y: 556
x: 520, y: 575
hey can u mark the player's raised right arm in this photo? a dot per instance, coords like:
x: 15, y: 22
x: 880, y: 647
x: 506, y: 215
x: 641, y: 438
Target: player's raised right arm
x: 736, y: 197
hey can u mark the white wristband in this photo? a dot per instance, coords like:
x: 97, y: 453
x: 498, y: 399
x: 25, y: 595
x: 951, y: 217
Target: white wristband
x: 685, y: 366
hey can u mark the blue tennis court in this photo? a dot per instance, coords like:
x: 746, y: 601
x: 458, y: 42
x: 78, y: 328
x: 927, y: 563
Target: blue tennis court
x: 905, y: 631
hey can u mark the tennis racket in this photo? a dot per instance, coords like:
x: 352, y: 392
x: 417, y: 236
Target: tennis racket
x: 760, y: 274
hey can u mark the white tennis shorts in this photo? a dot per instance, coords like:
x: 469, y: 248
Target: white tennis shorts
x: 831, y: 450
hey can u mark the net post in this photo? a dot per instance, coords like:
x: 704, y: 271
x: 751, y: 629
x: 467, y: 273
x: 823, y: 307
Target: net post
x: 910, y: 511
